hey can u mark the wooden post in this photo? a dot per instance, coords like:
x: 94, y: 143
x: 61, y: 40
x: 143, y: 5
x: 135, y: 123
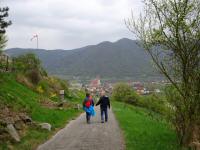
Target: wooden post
x: 13, y: 65
x: 62, y: 95
x: 7, y: 63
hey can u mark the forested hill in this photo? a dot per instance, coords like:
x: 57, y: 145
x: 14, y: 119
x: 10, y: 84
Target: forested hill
x: 123, y: 58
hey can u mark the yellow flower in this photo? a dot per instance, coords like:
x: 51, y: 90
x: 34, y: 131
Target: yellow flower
x: 40, y: 89
x: 53, y: 95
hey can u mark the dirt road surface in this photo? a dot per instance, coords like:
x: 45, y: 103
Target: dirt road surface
x: 78, y: 135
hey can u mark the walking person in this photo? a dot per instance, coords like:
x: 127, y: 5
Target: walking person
x: 104, y: 103
x: 88, y: 106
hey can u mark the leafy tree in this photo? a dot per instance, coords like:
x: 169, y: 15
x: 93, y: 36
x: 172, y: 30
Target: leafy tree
x: 169, y: 30
x: 3, y: 25
x: 123, y: 92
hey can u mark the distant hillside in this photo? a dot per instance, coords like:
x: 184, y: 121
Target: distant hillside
x: 123, y: 58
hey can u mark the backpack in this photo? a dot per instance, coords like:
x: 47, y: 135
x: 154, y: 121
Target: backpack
x: 88, y: 103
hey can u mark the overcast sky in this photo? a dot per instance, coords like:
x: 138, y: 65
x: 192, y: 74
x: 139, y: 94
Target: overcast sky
x: 68, y: 24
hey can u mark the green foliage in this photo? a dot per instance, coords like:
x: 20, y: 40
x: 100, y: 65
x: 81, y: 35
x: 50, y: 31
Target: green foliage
x: 34, y: 76
x: 16, y: 95
x: 31, y: 74
x: 123, y: 58
x: 175, y: 115
x: 3, y: 42
x: 169, y: 31
x: 3, y: 25
x: 156, y: 103
x: 30, y: 65
x: 123, y: 92
x: 27, y: 62
x: 20, y: 98
x: 51, y: 86
x: 143, y: 132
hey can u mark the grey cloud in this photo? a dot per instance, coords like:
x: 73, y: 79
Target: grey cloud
x: 66, y: 23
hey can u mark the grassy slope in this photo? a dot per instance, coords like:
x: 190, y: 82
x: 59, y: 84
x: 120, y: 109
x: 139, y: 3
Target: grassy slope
x: 21, y: 98
x: 142, y: 132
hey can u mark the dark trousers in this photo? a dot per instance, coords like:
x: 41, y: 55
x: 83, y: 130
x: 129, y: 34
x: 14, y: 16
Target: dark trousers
x: 87, y: 117
x: 104, y: 111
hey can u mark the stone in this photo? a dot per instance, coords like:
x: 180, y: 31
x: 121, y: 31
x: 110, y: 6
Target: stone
x: 26, y: 118
x: 19, y: 125
x: 16, y: 118
x: 12, y: 131
x: 46, y: 126
x: 9, y: 120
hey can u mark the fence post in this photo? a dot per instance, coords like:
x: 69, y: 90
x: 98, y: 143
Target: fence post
x: 13, y: 65
x: 62, y: 95
x: 7, y: 63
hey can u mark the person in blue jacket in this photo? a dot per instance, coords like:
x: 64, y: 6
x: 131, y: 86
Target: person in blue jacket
x: 104, y: 103
x: 88, y: 106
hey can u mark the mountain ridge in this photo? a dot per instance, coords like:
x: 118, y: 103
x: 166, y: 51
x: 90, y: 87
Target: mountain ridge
x: 122, y: 58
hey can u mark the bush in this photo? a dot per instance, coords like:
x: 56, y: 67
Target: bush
x: 24, y: 80
x: 43, y: 87
x: 51, y: 86
x: 34, y: 76
x: 29, y: 65
x: 154, y: 103
x: 123, y: 92
x: 27, y: 62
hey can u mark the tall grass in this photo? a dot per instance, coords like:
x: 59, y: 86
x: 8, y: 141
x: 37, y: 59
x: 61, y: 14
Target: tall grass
x: 142, y: 132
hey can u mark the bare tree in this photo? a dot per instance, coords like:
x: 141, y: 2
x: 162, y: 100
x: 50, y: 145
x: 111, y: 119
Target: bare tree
x: 169, y: 30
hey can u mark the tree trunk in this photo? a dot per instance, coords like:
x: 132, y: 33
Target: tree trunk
x: 191, y: 134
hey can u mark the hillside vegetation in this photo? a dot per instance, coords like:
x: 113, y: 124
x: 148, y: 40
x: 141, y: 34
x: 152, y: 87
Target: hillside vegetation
x: 143, y: 132
x: 30, y: 94
x: 17, y: 98
x: 123, y: 58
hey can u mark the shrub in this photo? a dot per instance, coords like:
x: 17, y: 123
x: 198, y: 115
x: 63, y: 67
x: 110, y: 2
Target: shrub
x: 154, y: 103
x: 34, y: 76
x: 27, y: 62
x: 30, y: 65
x: 123, y: 92
x: 51, y: 86
x: 24, y: 80
x: 40, y: 90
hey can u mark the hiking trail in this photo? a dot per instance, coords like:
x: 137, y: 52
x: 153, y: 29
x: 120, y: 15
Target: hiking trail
x: 78, y: 135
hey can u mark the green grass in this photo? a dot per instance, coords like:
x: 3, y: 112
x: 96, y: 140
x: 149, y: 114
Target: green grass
x: 143, y: 132
x: 21, y: 98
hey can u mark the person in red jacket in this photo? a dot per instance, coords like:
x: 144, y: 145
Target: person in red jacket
x: 87, y: 103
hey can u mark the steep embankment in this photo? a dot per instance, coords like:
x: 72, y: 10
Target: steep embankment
x: 16, y: 100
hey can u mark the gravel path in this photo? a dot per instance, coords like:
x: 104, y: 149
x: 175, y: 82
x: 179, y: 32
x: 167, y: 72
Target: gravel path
x: 78, y: 135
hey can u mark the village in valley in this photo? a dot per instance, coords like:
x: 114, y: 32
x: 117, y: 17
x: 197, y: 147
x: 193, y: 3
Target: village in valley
x: 95, y: 86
